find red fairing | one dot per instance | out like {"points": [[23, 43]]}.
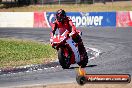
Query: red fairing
{"points": [[60, 40], [72, 59]]}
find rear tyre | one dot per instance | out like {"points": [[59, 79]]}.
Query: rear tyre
{"points": [[64, 62]]}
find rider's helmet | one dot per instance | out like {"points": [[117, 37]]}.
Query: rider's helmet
{"points": [[60, 15]]}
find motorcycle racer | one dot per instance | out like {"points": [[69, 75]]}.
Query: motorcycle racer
{"points": [[62, 22]]}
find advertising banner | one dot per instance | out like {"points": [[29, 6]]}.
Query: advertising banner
{"points": [[124, 18], [16, 19], [80, 19], [88, 19]]}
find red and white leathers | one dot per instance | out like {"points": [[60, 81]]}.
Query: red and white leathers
{"points": [[67, 24]]}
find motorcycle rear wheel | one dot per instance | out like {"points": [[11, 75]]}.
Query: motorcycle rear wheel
{"points": [[62, 59]]}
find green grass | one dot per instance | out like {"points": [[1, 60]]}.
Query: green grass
{"points": [[18, 52]]}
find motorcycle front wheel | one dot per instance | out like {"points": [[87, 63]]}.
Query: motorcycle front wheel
{"points": [[84, 62], [63, 60]]}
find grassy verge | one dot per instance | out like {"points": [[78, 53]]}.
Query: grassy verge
{"points": [[18, 52], [109, 6]]}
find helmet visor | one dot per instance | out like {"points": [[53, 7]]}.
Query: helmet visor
{"points": [[60, 17]]}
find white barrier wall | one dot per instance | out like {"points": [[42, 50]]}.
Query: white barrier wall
{"points": [[16, 19]]}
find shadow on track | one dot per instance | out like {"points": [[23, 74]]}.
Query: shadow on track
{"points": [[85, 67]]}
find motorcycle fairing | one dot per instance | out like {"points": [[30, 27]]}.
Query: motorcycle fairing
{"points": [[74, 49]]}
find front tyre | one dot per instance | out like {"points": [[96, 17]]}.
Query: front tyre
{"points": [[62, 59], [83, 63]]}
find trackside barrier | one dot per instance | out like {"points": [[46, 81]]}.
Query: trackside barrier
{"points": [[80, 19], [124, 18], [40, 20], [16, 19]]}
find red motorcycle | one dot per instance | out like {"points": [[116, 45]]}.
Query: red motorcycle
{"points": [[67, 49]]}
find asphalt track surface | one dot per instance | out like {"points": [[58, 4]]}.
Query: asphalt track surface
{"points": [[115, 45]]}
